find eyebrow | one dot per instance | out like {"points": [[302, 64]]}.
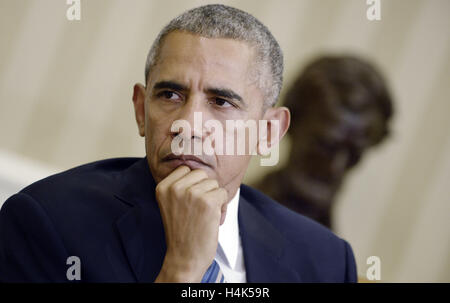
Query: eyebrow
{"points": [[220, 92], [226, 93], [170, 84]]}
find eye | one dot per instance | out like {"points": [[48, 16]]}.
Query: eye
{"points": [[222, 102], [169, 95]]}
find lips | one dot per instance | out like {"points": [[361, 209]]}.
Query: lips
{"points": [[189, 160]]}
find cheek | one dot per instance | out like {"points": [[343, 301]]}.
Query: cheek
{"points": [[229, 167], [157, 131]]}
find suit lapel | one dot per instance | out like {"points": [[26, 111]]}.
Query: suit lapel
{"points": [[140, 228], [141, 231], [263, 247]]}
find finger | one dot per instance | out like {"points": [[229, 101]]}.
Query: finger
{"points": [[193, 177], [204, 186], [175, 175], [218, 195]]}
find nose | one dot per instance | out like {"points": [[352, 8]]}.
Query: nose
{"points": [[192, 112]]}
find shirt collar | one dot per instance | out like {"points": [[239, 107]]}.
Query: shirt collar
{"points": [[229, 231]]}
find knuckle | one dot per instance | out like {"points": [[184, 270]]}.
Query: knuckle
{"points": [[203, 203], [201, 173], [184, 169], [159, 190], [176, 188], [214, 183], [192, 192]]}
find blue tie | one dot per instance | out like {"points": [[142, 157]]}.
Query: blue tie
{"points": [[213, 274]]}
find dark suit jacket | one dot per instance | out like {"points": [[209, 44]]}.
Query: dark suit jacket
{"points": [[106, 214]]}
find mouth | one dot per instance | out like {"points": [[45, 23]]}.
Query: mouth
{"points": [[191, 161]]}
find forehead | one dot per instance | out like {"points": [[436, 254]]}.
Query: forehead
{"points": [[214, 61]]}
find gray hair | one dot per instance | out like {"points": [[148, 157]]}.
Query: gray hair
{"points": [[220, 21]]}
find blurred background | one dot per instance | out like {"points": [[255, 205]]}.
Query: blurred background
{"points": [[66, 87]]}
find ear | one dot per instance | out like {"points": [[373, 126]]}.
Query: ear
{"points": [[139, 107], [283, 118]]}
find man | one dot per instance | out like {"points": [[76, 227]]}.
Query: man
{"points": [[158, 219]]}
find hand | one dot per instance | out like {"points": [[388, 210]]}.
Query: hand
{"points": [[191, 209]]}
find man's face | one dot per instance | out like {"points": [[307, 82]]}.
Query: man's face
{"points": [[207, 76]]}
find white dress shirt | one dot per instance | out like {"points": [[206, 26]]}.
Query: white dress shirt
{"points": [[229, 253]]}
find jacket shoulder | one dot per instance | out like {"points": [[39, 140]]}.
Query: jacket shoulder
{"points": [[81, 196], [330, 257], [91, 176], [284, 219]]}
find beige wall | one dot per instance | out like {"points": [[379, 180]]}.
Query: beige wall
{"points": [[65, 99]]}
